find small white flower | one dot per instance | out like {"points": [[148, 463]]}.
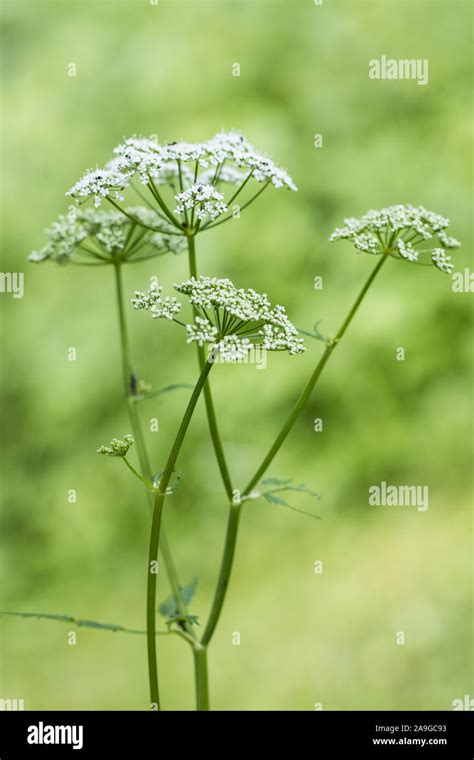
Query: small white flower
{"points": [[205, 199], [366, 243], [153, 302], [233, 320], [100, 183], [232, 146], [226, 158], [442, 261], [448, 242], [107, 234], [201, 332], [400, 231], [407, 251]]}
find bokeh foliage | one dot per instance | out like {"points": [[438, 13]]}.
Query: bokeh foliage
{"points": [[305, 638]]}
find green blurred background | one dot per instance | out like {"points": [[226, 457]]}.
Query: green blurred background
{"points": [[305, 638]]}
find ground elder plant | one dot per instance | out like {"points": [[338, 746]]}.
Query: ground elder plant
{"points": [[152, 199]]}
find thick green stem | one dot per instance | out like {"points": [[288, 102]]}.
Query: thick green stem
{"points": [[235, 509], [156, 525], [210, 411], [200, 675]]}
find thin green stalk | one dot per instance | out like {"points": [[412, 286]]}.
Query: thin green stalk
{"points": [[124, 345], [242, 208], [136, 473], [162, 204], [143, 458], [210, 411], [224, 572], [156, 525], [235, 509], [303, 399], [129, 216], [142, 452], [232, 199], [200, 675]]}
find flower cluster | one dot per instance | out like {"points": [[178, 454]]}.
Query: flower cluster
{"points": [[402, 232], [227, 157], [118, 446], [100, 235], [204, 199], [100, 183], [234, 148], [231, 320], [153, 302]]}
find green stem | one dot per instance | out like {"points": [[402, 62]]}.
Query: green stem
{"points": [[125, 352], [235, 509], [242, 208], [224, 572], [129, 216], [156, 525], [200, 674], [303, 399], [143, 458], [210, 411], [137, 474], [162, 204]]}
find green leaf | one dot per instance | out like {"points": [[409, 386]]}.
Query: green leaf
{"points": [[69, 619], [169, 608], [41, 616], [102, 626], [174, 484], [276, 482], [188, 592], [316, 334], [182, 620], [273, 499], [281, 486]]}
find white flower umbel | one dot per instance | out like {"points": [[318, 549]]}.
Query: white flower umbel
{"points": [[232, 321], [441, 260], [205, 200], [153, 302], [227, 158], [98, 184], [150, 159], [232, 147], [401, 231], [107, 236]]}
